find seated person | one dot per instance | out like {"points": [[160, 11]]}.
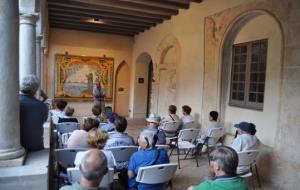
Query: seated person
{"points": [[110, 126], [186, 118], [171, 116], [120, 138], [78, 138], [58, 111], [213, 124], [148, 155], [99, 115], [93, 167], [223, 163], [245, 141], [68, 116], [153, 123], [96, 139], [33, 114]]}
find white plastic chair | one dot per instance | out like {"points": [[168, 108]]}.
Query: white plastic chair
{"points": [[246, 160], [187, 125], [65, 157], [212, 139], [170, 128], [67, 127], [74, 176], [156, 174], [123, 153], [185, 141]]}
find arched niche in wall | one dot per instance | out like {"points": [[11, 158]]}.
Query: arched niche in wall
{"points": [[143, 85], [167, 58], [167, 80], [122, 89], [245, 31]]}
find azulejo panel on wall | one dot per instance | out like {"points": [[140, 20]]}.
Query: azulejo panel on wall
{"points": [[75, 76]]}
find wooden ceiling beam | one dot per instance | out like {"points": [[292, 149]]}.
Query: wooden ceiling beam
{"points": [[91, 30], [88, 7], [54, 14], [101, 14], [99, 26], [162, 3], [132, 6], [82, 21]]}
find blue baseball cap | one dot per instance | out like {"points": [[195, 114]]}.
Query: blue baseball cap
{"points": [[244, 126]]}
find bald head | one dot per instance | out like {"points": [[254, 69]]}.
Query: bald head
{"points": [[93, 165]]}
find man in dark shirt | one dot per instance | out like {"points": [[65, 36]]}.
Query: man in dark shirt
{"points": [[33, 114]]}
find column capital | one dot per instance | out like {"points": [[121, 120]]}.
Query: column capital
{"points": [[28, 18]]}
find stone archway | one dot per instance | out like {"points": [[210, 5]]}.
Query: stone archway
{"points": [[169, 71]]}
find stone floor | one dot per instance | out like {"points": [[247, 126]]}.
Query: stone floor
{"points": [[189, 173]]}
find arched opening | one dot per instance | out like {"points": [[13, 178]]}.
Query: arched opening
{"points": [[248, 29], [122, 87], [167, 80], [143, 86]]}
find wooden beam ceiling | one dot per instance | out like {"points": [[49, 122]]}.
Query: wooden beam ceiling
{"points": [[121, 17]]}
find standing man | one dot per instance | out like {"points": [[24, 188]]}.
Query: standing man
{"points": [[99, 95], [33, 114]]}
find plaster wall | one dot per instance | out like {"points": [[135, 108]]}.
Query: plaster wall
{"points": [[266, 120], [187, 28], [85, 44], [199, 72]]}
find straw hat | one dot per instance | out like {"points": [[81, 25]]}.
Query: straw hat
{"points": [[153, 118]]}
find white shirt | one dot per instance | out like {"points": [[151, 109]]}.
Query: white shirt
{"points": [[187, 119], [56, 114], [111, 163], [245, 142]]}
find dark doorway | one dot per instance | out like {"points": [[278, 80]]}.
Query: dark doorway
{"points": [[150, 80]]}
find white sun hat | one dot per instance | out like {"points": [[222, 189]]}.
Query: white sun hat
{"points": [[153, 118]]}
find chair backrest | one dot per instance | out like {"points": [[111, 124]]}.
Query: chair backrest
{"points": [[67, 127], [64, 139], [123, 153], [246, 158], [188, 134], [171, 126], [216, 133], [156, 174], [74, 176], [187, 125], [66, 156]]}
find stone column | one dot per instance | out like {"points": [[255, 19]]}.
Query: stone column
{"points": [[10, 148], [27, 44], [38, 61]]}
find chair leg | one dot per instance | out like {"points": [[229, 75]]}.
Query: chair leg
{"points": [[171, 152], [196, 157], [257, 176], [178, 159], [187, 153]]}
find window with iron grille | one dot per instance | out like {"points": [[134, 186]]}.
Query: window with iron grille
{"points": [[248, 74]]}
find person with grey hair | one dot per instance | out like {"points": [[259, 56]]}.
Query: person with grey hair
{"points": [[33, 114], [92, 168], [67, 117], [148, 155], [223, 161]]}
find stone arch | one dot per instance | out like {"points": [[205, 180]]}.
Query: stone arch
{"points": [[141, 102], [170, 41], [122, 89]]}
